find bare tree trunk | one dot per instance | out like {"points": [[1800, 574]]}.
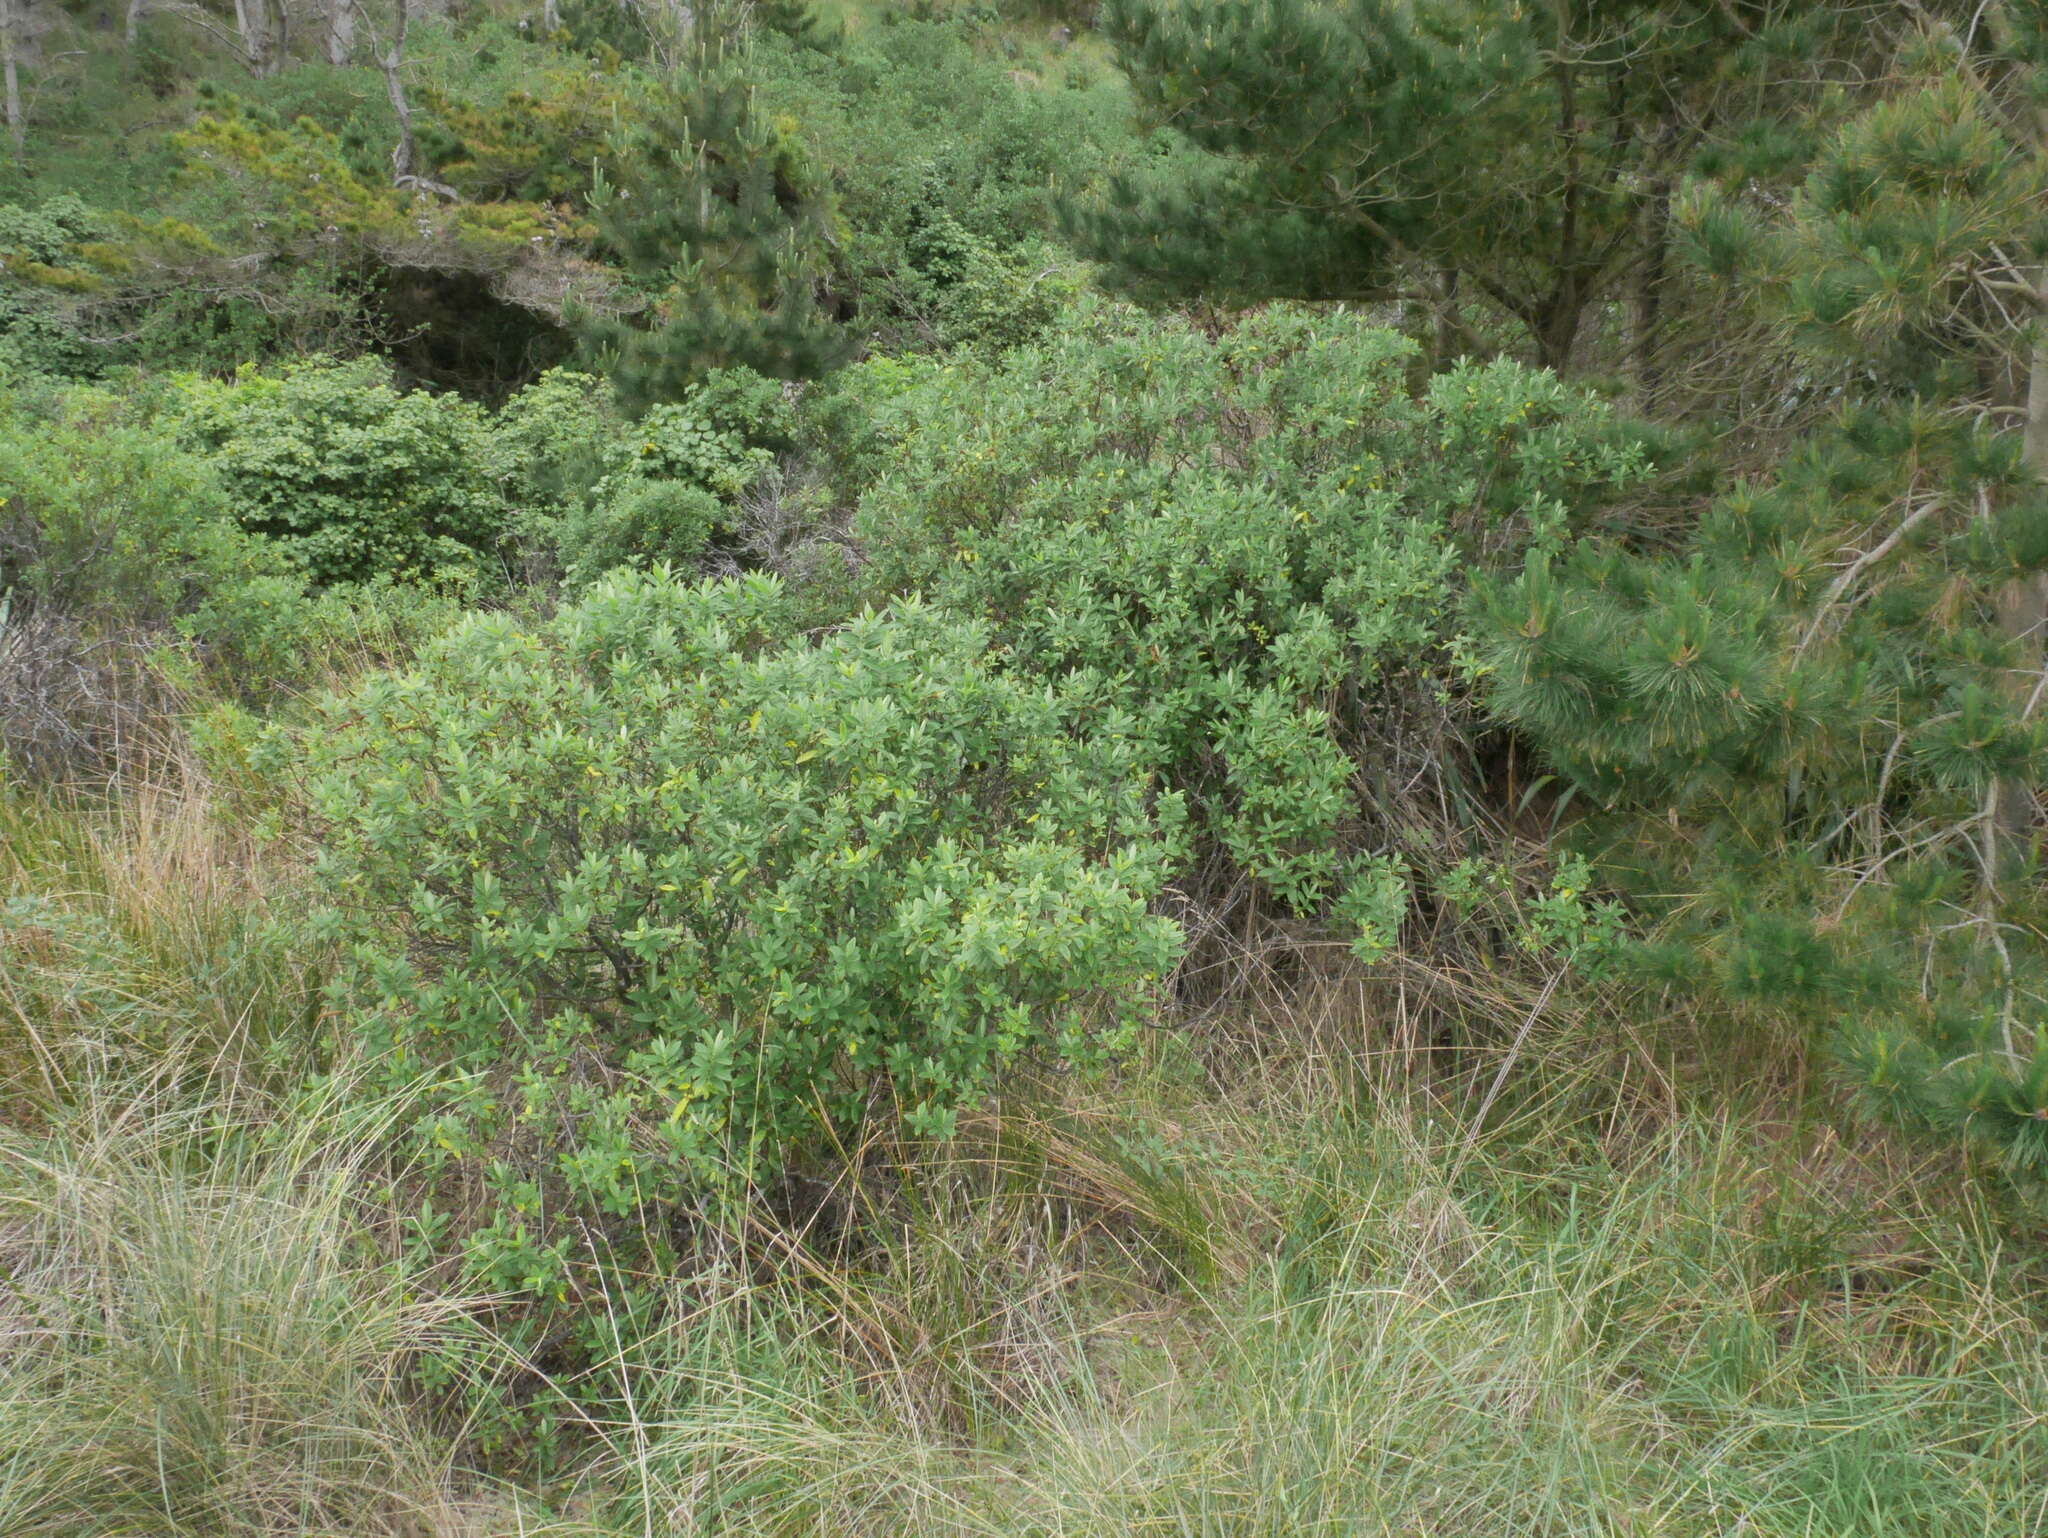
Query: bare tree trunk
{"points": [[262, 45], [550, 17], [137, 9], [394, 60], [1446, 319], [1556, 325], [341, 32], [10, 75], [1647, 319], [2023, 601]]}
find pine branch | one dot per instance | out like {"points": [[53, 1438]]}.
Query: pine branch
{"points": [[1860, 565]]}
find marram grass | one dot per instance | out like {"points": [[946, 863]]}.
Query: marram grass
{"points": [[1282, 1296]]}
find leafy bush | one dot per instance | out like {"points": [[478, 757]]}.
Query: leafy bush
{"points": [[116, 543], [936, 145], [35, 249], [353, 479], [110, 536], [277, 633], [672, 478], [1005, 298], [102, 518], [955, 286], [637, 522], [1246, 545], [86, 289], [554, 439], [648, 894]]}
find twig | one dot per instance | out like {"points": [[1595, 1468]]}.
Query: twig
{"points": [[1856, 569], [1507, 1066]]}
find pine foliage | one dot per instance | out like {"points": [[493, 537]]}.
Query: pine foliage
{"points": [[1372, 149], [728, 228], [1814, 728]]}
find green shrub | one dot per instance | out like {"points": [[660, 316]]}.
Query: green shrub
{"points": [[955, 286], [113, 533], [649, 895], [720, 434], [937, 146], [105, 520], [1006, 298], [672, 478], [636, 522], [353, 479], [1247, 545], [554, 439], [36, 245], [275, 633]]}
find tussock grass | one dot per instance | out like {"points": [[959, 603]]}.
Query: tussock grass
{"points": [[196, 1334], [1270, 1281], [131, 923], [1703, 1334], [196, 1340]]}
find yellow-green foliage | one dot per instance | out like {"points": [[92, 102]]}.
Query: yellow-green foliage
{"points": [[301, 183], [1240, 548], [537, 143], [757, 887]]}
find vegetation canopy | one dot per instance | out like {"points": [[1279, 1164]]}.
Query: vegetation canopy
{"points": [[1020, 769]]}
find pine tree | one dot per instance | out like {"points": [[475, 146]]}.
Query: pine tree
{"points": [[730, 233], [1508, 167], [1819, 720]]}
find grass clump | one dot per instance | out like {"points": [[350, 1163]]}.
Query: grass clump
{"points": [[1228, 1292], [196, 1340], [1690, 1335], [199, 1331]]}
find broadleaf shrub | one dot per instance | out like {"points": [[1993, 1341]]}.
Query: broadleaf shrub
{"points": [[673, 477], [1248, 544], [650, 895], [595, 491], [555, 439], [105, 521], [352, 478], [117, 542]]}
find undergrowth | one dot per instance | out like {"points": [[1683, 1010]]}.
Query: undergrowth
{"points": [[1272, 1281]]}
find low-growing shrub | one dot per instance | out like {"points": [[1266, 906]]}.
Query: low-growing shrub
{"points": [[115, 542], [594, 491], [104, 520], [353, 479], [36, 244], [649, 895], [1246, 544], [555, 439], [638, 522], [125, 576]]}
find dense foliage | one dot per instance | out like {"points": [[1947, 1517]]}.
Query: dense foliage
{"points": [[1243, 545], [1507, 168], [1001, 766], [651, 893], [1831, 687], [349, 478]]}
